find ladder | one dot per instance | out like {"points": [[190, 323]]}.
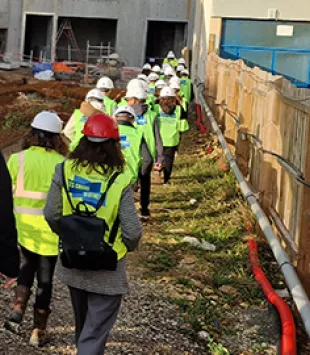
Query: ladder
{"points": [[66, 28]]}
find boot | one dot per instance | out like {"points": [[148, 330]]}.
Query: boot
{"points": [[22, 294], [39, 336]]}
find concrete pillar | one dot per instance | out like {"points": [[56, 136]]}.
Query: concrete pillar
{"points": [[14, 31]]}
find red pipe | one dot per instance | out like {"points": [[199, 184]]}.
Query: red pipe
{"points": [[199, 120], [288, 340]]}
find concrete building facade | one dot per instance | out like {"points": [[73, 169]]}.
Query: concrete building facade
{"points": [[137, 29], [270, 33]]}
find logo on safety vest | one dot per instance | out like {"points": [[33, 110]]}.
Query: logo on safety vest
{"points": [[183, 82], [141, 121], [151, 91], [86, 190], [84, 119], [124, 142]]}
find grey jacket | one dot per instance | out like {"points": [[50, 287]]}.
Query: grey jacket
{"points": [[101, 282]]}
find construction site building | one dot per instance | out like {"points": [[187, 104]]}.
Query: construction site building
{"points": [[138, 30]]}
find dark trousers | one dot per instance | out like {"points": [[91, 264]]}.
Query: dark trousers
{"points": [[169, 155], [95, 316], [43, 267], [145, 187]]}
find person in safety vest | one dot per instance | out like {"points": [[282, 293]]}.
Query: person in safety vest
{"points": [[156, 69], [179, 70], [31, 171], [171, 124], [175, 85], [94, 168], [132, 142], [93, 103], [171, 59], [146, 69], [9, 254], [153, 77], [182, 62], [168, 73], [147, 123], [106, 85], [187, 86]]}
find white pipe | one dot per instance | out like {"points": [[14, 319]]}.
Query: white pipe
{"points": [[298, 293]]}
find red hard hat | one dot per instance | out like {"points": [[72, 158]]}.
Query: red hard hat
{"points": [[101, 126]]}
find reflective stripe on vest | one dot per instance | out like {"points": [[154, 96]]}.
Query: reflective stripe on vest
{"points": [[30, 211], [20, 190], [32, 171]]}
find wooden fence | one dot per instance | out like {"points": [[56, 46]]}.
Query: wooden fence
{"points": [[259, 112]]}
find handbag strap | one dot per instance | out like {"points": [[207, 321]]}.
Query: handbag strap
{"points": [[103, 196]]}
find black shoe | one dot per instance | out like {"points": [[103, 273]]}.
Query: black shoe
{"points": [[145, 213]]}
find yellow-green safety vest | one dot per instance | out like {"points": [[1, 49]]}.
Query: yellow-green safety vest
{"points": [[32, 171], [109, 106], [186, 88], [131, 140], [170, 127], [79, 123], [145, 123], [174, 62], [88, 187]]}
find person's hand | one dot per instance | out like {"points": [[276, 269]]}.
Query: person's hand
{"points": [[9, 283], [158, 167]]}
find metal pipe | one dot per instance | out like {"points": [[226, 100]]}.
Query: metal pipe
{"points": [[298, 293]]}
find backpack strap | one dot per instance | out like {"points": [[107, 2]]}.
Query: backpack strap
{"points": [[102, 198], [114, 231], [64, 182]]}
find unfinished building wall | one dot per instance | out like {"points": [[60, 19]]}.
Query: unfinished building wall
{"points": [[132, 18]]}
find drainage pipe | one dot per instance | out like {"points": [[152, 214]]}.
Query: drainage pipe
{"points": [[298, 293], [288, 338]]}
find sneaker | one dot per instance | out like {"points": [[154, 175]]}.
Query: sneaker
{"points": [[145, 214]]}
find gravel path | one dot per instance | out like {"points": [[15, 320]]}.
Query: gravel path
{"points": [[146, 325]]}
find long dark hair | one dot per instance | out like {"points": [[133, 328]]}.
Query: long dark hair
{"points": [[102, 157], [47, 140]]}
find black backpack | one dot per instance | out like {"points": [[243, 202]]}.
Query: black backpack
{"points": [[81, 239]]}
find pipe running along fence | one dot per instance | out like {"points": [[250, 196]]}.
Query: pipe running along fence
{"points": [[296, 289]]}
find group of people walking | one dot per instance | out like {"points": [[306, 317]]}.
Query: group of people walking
{"points": [[73, 200]]}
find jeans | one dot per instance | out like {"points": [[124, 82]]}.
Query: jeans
{"points": [[43, 267]]}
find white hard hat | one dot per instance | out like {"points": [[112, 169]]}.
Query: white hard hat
{"points": [[167, 92], [136, 92], [94, 94], [166, 65], [171, 55], [185, 72], [180, 68], [125, 110], [181, 61], [160, 84], [174, 79], [105, 83], [142, 77], [175, 85], [153, 77], [169, 71], [156, 69], [48, 122], [147, 66], [134, 83]]}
